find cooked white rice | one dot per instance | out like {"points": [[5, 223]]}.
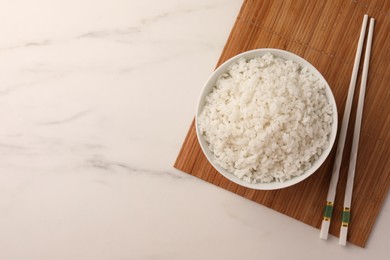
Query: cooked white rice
{"points": [[267, 119]]}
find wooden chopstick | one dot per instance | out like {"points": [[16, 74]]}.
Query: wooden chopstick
{"points": [[355, 142], [327, 215]]}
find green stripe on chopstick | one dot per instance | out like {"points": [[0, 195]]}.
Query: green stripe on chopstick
{"points": [[346, 216], [327, 215]]}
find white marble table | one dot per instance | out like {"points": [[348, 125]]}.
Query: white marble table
{"points": [[96, 97]]}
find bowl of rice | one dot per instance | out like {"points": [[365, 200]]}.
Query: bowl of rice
{"points": [[266, 119]]}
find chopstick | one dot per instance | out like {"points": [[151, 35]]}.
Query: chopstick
{"points": [[327, 215], [355, 142]]}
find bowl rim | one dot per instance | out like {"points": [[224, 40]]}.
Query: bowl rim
{"points": [[206, 89]]}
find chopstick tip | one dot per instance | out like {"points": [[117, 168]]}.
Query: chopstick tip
{"points": [[343, 236], [324, 229]]}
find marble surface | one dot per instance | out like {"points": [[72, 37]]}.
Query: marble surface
{"points": [[96, 97]]}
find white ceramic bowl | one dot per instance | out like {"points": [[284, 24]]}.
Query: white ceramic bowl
{"points": [[209, 86]]}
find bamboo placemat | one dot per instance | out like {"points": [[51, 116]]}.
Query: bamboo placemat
{"points": [[324, 32]]}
